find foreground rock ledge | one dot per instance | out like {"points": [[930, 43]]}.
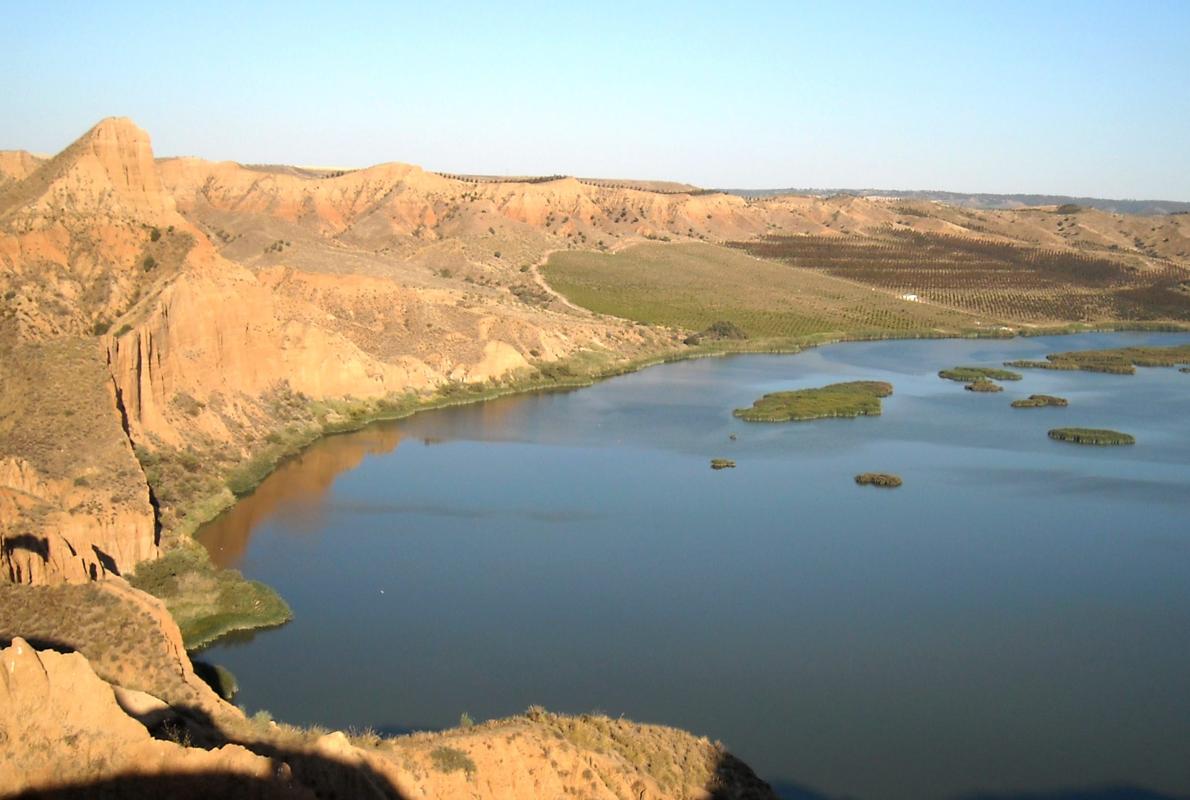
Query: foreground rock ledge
{"points": [[66, 732]]}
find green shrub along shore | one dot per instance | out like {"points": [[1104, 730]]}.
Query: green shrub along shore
{"points": [[1095, 436], [851, 399], [205, 601], [884, 480], [1041, 401], [972, 374]]}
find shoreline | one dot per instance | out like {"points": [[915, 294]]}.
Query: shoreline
{"points": [[476, 393]]}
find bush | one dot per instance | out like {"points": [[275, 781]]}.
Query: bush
{"points": [[449, 759], [149, 263]]}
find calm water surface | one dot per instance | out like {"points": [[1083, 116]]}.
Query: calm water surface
{"points": [[1015, 619]]}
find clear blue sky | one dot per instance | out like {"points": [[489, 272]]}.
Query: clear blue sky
{"points": [[1089, 98]]}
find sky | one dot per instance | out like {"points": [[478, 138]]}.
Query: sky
{"points": [[1087, 98]]}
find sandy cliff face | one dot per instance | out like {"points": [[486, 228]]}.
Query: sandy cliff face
{"points": [[74, 504], [63, 727], [194, 345], [68, 545]]}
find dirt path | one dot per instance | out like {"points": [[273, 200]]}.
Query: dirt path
{"points": [[535, 271]]}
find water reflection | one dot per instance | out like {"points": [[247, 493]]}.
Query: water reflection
{"points": [[294, 493]]}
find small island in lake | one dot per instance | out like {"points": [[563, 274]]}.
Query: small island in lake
{"points": [[1095, 436], [1040, 401], [983, 385], [1117, 361], [722, 463], [851, 399], [972, 374], [882, 479]]}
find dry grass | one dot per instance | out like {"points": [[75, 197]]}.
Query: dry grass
{"points": [[124, 643], [56, 412]]}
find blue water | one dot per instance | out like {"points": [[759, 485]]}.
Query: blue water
{"points": [[1015, 618]]}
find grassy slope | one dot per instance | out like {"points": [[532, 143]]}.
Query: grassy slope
{"points": [[694, 285]]}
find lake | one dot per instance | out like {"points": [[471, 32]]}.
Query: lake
{"points": [[1015, 619]]}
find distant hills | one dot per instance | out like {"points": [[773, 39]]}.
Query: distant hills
{"points": [[988, 201]]}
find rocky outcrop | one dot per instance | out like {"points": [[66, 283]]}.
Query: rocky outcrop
{"points": [[62, 728], [65, 545], [109, 172], [74, 504]]}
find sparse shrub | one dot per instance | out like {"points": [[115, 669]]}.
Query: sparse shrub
{"points": [[450, 759], [154, 235], [149, 264]]}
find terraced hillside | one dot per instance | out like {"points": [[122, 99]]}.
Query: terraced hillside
{"points": [[999, 279]]}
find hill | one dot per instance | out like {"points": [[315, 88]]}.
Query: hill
{"points": [[983, 200]]}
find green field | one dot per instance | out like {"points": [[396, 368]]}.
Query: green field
{"points": [[693, 286]]}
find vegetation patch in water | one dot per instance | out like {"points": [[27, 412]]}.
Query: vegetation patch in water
{"points": [[882, 479], [972, 374], [983, 385], [1116, 361], [1040, 401], [851, 399], [1095, 436], [207, 602], [722, 463]]}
